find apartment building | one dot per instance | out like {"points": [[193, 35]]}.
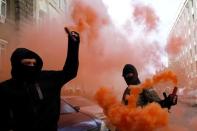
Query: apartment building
{"points": [[185, 26]]}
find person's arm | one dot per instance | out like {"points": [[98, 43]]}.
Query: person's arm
{"points": [[124, 99], [152, 96], [70, 68]]}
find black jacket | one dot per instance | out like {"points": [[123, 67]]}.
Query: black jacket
{"points": [[35, 106]]}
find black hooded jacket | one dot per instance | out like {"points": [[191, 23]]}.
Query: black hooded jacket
{"points": [[35, 105]]}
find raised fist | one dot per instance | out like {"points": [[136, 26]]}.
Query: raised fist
{"points": [[72, 36]]}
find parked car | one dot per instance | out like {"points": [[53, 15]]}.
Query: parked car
{"points": [[86, 105], [74, 118]]}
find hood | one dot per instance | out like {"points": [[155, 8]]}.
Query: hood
{"points": [[17, 56], [134, 80]]}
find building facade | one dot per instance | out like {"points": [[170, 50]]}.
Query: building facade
{"points": [[185, 27], [15, 14]]}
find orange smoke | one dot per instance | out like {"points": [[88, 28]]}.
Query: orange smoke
{"points": [[101, 62], [146, 14], [174, 45], [126, 118], [87, 20], [132, 118]]}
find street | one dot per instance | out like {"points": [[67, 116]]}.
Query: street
{"points": [[183, 116]]}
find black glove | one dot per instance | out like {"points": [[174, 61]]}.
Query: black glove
{"points": [[73, 36], [169, 100]]}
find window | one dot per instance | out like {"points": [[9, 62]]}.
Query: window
{"points": [[191, 53], [196, 65], [42, 17], [195, 47], [62, 5], [2, 10], [2, 50]]}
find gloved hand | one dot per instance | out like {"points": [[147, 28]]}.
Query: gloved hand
{"points": [[169, 100], [72, 36]]}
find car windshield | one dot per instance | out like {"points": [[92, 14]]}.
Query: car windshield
{"points": [[66, 108]]}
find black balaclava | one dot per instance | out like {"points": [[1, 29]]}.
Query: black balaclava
{"points": [[23, 72], [132, 80]]}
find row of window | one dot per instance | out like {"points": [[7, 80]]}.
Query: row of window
{"points": [[186, 28], [3, 6], [187, 19], [3, 43], [2, 11], [60, 4]]}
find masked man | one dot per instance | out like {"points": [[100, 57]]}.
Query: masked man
{"points": [[130, 75], [30, 100]]}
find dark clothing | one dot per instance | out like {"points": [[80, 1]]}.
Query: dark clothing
{"points": [[19, 71], [34, 105], [145, 97]]}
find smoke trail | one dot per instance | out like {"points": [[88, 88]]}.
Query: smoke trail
{"points": [[175, 45], [145, 14], [132, 118], [105, 49], [87, 20], [126, 118]]}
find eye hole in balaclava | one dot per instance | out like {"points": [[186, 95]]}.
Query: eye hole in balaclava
{"points": [[29, 68], [130, 75], [29, 62]]}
